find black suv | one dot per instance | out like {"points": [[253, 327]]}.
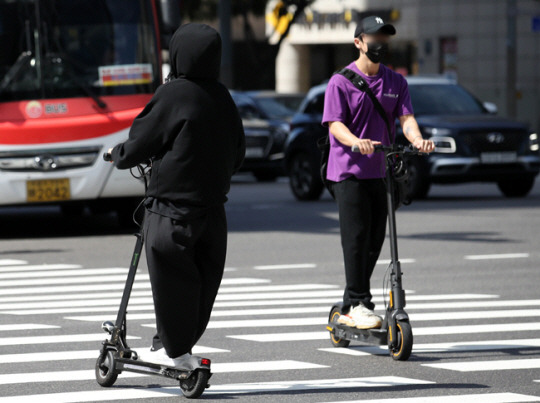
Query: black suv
{"points": [[471, 143]]}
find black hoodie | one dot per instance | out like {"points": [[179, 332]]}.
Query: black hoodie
{"points": [[190, 128]]}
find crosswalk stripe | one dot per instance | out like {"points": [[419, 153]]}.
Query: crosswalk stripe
{"points": [[402, 261], [68, 280], [492, 365], [12, 262], [296, 301], [417, 331], [106, 286], [62, 273], [146, 304], [462, 346], [26, 326], [114, 394], [433, 316], [473, 398], [83, 354], [415, 317], [35, 267], [224, 289], [223, 324], [286, 266], [497, 256], [286, 287], [60, 338], [227, 367]]}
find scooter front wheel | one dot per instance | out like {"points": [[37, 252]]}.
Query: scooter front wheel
{"points": [[194, 386], [401, 351], [106, 373], [337, 342]]}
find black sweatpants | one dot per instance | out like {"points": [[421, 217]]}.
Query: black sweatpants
{"points": [[362, 220], [186, 260]]}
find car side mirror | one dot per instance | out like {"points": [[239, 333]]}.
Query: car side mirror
{"points": [[491, 108], [170, 20]]}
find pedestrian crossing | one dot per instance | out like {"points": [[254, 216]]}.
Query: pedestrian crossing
{"points": [[63, 301]]}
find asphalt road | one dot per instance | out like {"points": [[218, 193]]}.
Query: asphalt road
{"points": [[470, 260]]}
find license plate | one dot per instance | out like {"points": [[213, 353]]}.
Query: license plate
{"points": [[498, 158], [47, 190], [254, 152]]}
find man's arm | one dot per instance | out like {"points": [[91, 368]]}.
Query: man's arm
{"points": [[345, 137], [413, 134]]}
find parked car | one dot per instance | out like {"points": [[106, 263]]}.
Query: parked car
{"points": [[472, 144], [266, 124]]}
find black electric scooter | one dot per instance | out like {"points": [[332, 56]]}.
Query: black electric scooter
{"points": [[115, 355], [395, 331]]}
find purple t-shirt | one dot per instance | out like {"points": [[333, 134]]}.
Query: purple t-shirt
{"points": [[345, 103]]}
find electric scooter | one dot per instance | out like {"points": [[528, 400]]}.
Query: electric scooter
{"points": [[395, 331], [115, 356]]}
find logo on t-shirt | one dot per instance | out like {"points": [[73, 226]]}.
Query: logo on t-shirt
{"points": [[390, 95]]}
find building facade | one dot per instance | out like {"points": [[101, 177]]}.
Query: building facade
{"points": [[466, 39]]}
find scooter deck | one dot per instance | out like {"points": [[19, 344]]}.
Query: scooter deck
{"points": [[370, 336], [143, 367]]}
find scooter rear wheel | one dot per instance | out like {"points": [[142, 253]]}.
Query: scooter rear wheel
{"points": [[337, 342], [194, 386], [402, 350], [106, 373]]}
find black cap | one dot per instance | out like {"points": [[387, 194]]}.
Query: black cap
{"points": [[374, 25]]}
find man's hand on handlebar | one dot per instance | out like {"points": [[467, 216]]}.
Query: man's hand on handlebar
{"points": [[424, 146], [365, 146]]}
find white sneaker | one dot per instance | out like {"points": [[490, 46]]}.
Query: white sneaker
{"points": [[160, 357], [364, 318]]}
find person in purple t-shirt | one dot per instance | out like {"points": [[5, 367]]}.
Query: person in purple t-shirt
{"points": [[357, 178]]}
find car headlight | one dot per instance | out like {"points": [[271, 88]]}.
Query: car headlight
{"points": [[446, 145], [533, 141]]}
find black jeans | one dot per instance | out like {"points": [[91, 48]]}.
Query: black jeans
{"points": [[186, 260], [362, 221]]}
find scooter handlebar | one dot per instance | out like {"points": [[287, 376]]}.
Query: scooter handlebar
{"points": [[409, 150], [107, 157]]}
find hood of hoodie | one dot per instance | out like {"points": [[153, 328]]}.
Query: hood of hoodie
{"points": [[195, 52]]}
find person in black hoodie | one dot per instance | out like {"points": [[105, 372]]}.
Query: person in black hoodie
{"points": [[193, 134]]}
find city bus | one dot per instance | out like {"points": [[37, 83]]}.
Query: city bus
{"points": [[73, 76]]}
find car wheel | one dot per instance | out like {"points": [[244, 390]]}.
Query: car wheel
{"points": [[418, 184], [517, 187], [304, 178]]}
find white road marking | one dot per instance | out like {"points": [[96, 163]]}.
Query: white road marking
{"points": [[227, 367], [224, 324], [82, 355], [62, 273], [59, 338], [115, 394], [107, 287], [26, 326], [492, 365], [497, 256], [286, 266], [475, 398], [12, 262], [69, 280], [285, 287], [462, 346], [415, 317], [44, 267], [403, 261], [417, 331]]}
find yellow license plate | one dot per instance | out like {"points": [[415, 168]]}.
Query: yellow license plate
{"points": [[47, 190]]}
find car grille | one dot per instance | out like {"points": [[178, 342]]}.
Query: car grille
{"points": [[48, 159], [493, 141]]}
